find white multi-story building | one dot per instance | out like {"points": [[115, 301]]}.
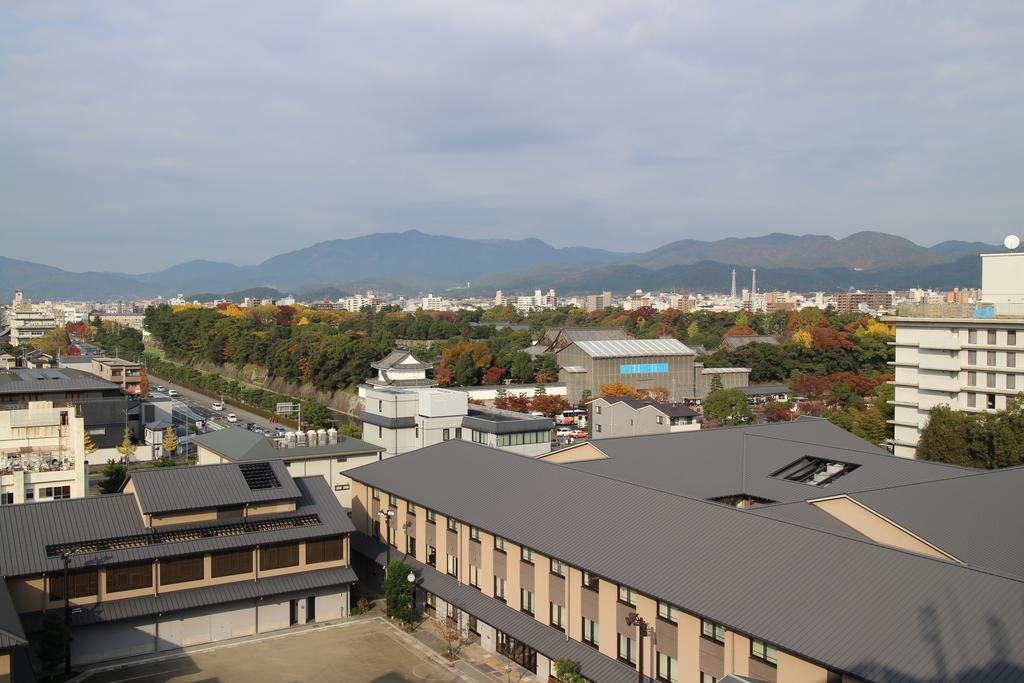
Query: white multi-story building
{"points": [[27, 322], [42, 453], [969, 357]]}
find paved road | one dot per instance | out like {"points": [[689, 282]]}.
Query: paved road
{"points": [[196, 406]]}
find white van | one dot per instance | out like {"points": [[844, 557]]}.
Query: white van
{"points": [[232, 417], [218, 406]]}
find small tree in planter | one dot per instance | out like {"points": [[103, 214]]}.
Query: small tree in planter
{"points": [[567, 671], [451, 631]]}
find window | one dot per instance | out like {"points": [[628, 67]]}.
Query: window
{"points": [[972, 336], [627, 649], [231, 563], [392, 500], [526, 601], [431, 516], [972, 379], [499, 588], [453, 566], [417, 431], [55, 492], [558, 616], [129, 577], [479, 437], [392, 536], [7, 498], [499, 544], [972, 401], [590, 632], [474, 533], [763, 651], [376, 528], [527, 556], [626, 596], [181, 570], [380, 431], [667, 612], [591, 581], [380, 406], [557, 567], [972, 357], [990, 401], [341, 487], [83, 582], [431, 556], [668, 668], [326, 550], [453, 524], [410, 507], [597, 409], [991, 358], [814, 471], [990, 380], [279, 556], [991, 336], [1011, 359], [410, 545], [597, 426], [660, 419], [707, 678], [1011, 337], [474, 576], [376, 493], [712, 630], [458, 432], [1011, 381], [446, 434]]}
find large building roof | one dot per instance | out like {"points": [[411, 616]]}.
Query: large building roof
{"points": [[43, 380], [876, 612], [28, 529], [194, 488], [634, 348], [668, 409], [241, 445]]}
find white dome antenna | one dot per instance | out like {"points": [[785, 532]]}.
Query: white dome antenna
{"points": [[1011, 242]]}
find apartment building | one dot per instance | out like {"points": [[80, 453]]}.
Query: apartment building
{"points": [[399, 420], [124, 373], [599, 302], [42, 453], [182, 556], [791, 553], [26, 321], [328, 455], [615, 416], [967, 357], [851, 302]]}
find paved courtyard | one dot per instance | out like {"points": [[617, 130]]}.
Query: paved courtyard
{"points": [[365, 652]]}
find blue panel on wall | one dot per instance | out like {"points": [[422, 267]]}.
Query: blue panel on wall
{"points": [[642, 368]]}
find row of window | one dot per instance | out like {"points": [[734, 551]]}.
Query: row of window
{"points": [[989, 380], [989, 337], [991, 359], [126, 577], [524, 438]]}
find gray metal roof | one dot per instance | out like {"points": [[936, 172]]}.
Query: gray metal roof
{"points": [[174, 601], [27, 529], [872, 611], [496, 421], [172, 489], [241, 445], [11, 632], [711, 463], [634, 348], [546, 640], [44, 380], [736, 342], [667, 409]]}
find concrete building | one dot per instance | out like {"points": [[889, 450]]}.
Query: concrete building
{"points": [[126, 374], [26, 321], [403, 420], [136, 321], [42, 453], [787, 553], [970, 358], [183, 556], [850, 302], [330, 459], [615, 416], [640, 363], [599, 302]]}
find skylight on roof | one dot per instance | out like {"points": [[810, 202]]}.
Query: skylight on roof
{"points": [[259, 475], [814, 471]]}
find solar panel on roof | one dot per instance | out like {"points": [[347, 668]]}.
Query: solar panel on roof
{"points": [[259, 475]]}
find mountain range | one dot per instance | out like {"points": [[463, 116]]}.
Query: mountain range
{"points": [[414, 261]]}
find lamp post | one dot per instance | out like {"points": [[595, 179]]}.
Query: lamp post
{"points": [[66, 557], [411, 578], [643, 630], [387, 515]]}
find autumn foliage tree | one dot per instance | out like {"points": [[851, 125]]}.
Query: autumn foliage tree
{"points": [[618, 389]]}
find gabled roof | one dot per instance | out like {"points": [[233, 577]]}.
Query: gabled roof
{"points": [[241, 445], [174, 489], [872, 611], [629, 348], [396, 358], [668, 409], [557, 338]]}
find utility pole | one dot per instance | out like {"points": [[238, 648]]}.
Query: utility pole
{"points": [[643, 630], [66, 556]]}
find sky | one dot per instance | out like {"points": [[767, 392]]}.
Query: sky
{"points": [[135, 135]]}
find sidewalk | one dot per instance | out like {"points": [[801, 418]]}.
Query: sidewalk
{"points": [[474, 661]]}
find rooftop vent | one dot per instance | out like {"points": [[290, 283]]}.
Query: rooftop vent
{"points": [[814, 471], [259, 475]]}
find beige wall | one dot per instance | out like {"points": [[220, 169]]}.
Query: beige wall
{"points": [[682, 640], [582, 452], [876, 527]]}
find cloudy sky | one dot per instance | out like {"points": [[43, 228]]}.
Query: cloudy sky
{"points": [[134, 135]]}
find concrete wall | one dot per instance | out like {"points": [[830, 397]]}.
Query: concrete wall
{"points": [[678, 381]]}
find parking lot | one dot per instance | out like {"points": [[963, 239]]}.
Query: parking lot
{"points": [[367, 651]]}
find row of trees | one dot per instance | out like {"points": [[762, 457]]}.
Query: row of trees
{"points": [[983, 440]]}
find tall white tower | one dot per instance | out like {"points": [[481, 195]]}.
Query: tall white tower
{"points": [[733, 294], [753, 282]]}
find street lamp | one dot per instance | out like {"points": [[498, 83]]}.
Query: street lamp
{"points": [[66, 557], [643, 630], [387, 515]]}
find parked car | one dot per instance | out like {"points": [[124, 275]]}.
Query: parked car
{"points": [[232, 417], [280, 431], [218, 406], [161, 388], [564, 431], [172, 392]]}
